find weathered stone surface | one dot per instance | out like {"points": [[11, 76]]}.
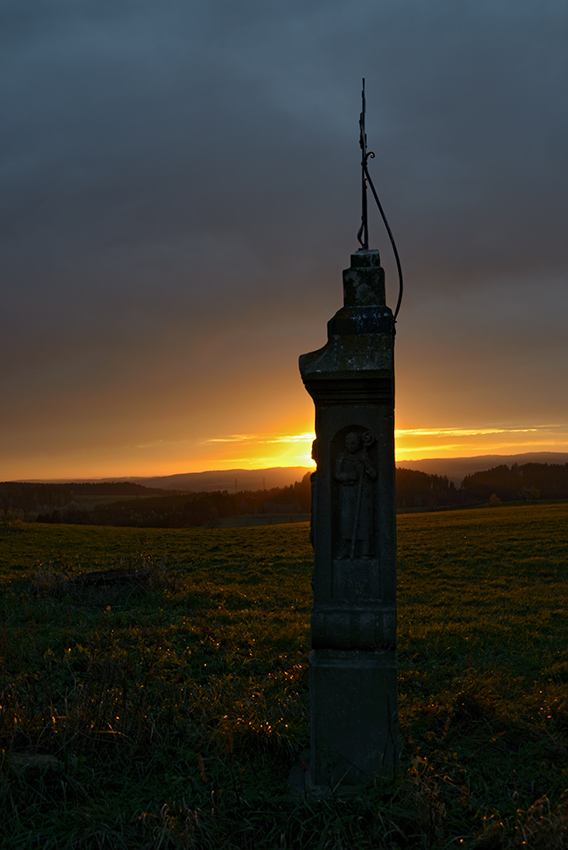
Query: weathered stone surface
{"points": [[368, 628], [353, 716], [364, 281], [353, 661]]}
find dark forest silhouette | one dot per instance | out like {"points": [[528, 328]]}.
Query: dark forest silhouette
{"points": [[129, 504]]}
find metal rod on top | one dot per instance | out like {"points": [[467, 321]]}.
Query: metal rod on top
{"points": [[363, 234]]}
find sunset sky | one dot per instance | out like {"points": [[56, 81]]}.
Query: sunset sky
{"points": [[180, 193]]}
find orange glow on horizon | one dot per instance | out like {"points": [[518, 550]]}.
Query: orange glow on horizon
{"points": [[254, 451], [419, 443], [411, 443], [277, 449]]}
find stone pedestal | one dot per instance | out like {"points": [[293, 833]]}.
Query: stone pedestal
{"points": [[352, 714], [353, 666]]}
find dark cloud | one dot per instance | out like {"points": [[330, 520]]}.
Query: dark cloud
{"points": [[175, 177]]}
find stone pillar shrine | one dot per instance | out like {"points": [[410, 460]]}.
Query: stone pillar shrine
{"points": [[353, 662]]}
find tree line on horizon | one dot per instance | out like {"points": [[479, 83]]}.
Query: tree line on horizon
{"points": [[153, 507], [31, 497]]}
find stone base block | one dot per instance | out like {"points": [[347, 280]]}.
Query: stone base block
{"points": [[353, 715]]}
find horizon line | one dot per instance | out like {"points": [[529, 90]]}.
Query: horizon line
{"points": [[259, 469]]}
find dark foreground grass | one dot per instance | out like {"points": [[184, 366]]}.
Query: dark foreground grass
{"points": [[163, 706]]}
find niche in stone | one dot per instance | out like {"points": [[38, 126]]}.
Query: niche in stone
{"points": [[354, 494], [354, 482]]}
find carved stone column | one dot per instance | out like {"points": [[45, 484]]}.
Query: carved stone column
{"points": [[353, 664]]}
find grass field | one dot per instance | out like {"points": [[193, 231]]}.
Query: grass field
{"points": [[166, 710]]}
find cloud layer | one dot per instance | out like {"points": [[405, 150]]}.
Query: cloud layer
{"points": [[180, 193]]}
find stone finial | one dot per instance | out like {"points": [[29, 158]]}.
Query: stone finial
{"points": [[364, 281]]}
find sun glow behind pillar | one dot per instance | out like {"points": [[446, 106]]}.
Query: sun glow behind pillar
{"points": [[288, 446]]}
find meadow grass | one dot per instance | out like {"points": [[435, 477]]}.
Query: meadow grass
{"points": [[165, 709]]}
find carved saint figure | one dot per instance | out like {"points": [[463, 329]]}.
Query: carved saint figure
{"points": [[355, 473]]}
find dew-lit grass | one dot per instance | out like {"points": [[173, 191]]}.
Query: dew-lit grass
{"points": [[166, 709]]}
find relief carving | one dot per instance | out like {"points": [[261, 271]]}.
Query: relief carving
{"points": [[355, 474]]}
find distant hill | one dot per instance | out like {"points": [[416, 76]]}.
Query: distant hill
{"points": [[226, 479], [203, 482], [456, 468], [233, 480]]}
